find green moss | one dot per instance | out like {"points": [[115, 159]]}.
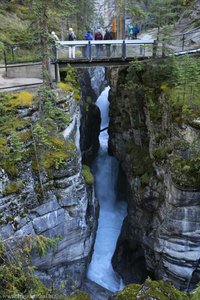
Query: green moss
{"points": [[10, 166], [10, 102], [129, 292], [79, 295], [57, 153], [13, 187], [77, 95], [159, 290], [4, 149], [65, 86], [23, 99], [54, 159], [71, 82], [89, 179]]}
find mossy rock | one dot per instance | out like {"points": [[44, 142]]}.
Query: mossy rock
{"points": [[89, 179], [65, 86], [13, 187], [10, 166], [54, 159], [129, 292], [79, 295], [23, 99], [77, 95], [158, 290]]}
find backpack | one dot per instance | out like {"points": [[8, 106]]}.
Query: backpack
{"points": [[71, 36]]}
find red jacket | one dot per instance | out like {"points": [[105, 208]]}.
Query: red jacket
{"points": [[98, 36]]}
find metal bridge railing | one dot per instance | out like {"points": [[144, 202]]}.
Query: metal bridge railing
{"points": [[20, 53], [105, 49], [188, 42]]}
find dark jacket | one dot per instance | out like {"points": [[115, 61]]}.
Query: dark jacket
{"points": [[108, 36], [136, 28], [71, 36]]}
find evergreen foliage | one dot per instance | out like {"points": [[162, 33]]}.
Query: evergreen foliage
{"points": [[171, 87], [17, 278]]}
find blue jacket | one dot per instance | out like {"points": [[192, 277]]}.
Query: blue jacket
{"points": [[88, 36], [136, 28]]}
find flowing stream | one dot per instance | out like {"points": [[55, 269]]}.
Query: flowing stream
{"points": [[112, 212]]}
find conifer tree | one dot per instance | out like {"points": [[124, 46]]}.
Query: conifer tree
{"points": [[44, 15]]}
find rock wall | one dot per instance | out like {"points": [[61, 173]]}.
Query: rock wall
{"points": [[92, 82], [160, 236], [66, 208]]}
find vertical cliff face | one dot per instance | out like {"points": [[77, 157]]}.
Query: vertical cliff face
{"points": [[53, 198], [160, 236], [92, 82]]}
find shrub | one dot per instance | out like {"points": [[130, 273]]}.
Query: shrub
{"points": [[145, 178], [17, 280], [186, 173], [162, 153]]}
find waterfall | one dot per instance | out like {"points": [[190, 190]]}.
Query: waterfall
{"points": [[112, 212]]}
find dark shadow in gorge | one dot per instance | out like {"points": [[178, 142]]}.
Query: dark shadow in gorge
{"points": [[128, 260]]}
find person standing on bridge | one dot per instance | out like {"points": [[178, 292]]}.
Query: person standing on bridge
{"points": [[130, 31], [88, 37], [136, 30], [107, 36], [54, 37], [98, 37], [71, 37]]}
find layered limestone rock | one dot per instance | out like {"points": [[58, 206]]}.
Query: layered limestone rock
{"points": [[60, 204], [161, 234]]}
